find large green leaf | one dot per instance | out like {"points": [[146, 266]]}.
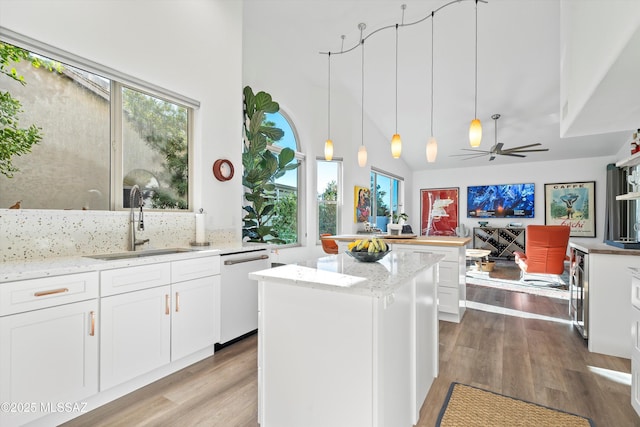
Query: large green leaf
{"points": [[249, 101], [271, 132], [264, 102]]}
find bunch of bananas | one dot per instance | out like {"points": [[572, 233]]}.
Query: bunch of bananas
{"points": [[371, 245]]}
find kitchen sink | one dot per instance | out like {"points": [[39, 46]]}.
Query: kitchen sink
{"points": [[139, 254]]}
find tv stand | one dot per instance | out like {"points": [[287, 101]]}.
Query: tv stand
{"points": [[502, 242]]}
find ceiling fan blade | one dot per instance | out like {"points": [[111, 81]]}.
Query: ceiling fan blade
{"points": [[527, 151], [497, 148], [513, 154], [469, 156], [523, 146], [493, 156], [475, 151]]}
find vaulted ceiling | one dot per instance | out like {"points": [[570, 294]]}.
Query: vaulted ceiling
{"points": [[519, 73]]}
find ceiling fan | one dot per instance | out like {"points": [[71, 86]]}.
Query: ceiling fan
{"points": [[497, 149]]}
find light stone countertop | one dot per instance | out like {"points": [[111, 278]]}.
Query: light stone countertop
{"points": [[602, 248], [341, 273], [56, 266]]}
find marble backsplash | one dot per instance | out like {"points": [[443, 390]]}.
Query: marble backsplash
{"points": [[40, 234]]}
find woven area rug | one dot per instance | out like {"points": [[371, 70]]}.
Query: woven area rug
{"points": [[467, 406], [506, 275]]}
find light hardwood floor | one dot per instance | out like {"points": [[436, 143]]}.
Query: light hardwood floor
{"points": [[513, 343]]}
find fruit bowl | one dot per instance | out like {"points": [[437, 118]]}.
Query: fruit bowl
{"points": [[365, 256]]}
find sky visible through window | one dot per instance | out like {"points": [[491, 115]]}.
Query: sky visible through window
{"points": [[288, 140]]}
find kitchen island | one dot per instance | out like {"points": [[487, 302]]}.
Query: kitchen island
{"points": [[345, 343], [452, 288]]}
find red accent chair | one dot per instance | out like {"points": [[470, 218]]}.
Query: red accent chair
{"points": [[545, 250], [330, 246]]}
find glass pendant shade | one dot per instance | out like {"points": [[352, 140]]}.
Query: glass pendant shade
{"points": [[362, 156], [396, 146], [475, 133], [328, 150], [432, 149]]}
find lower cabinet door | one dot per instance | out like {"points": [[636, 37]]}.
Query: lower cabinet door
{"points": [[47, 356], [135, 334], [194, 317]]}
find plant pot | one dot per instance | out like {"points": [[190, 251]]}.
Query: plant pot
{"points": [[394, 229]]}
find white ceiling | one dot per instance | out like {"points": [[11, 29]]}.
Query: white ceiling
{"points": [[519, 55]]}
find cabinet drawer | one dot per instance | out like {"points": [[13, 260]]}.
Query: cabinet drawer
{"points": [[448, 300], [448, 274], [635, 330], [129, 279], [450, 254], [194, 268], [635, 292], [34, 294]]}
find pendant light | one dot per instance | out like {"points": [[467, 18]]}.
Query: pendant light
{"points": [[328, 145], [475, 129], [362, 151], [396, 142], [432, 145]]}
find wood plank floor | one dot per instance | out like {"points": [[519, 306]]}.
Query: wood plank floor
{"points": [[513, 343]]}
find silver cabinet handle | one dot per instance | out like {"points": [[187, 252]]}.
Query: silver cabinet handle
{"points": [[240, 261]]}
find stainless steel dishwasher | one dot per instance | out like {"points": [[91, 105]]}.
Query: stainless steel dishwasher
{"points": [[239, 294]]}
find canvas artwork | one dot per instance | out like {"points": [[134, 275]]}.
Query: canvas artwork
{"points": [[438, 211], [362, 204], [572, 204]]}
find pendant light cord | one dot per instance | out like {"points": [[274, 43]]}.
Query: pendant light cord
{"points": [[397, 78], [329, 99], [432, 23], [475, 108], [362, 100]]}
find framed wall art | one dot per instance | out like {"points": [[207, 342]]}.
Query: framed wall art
{"points": [[361, 204], [572, 204], [439, 211]]}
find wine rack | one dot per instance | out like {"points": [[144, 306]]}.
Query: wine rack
{"points": [[502, 242]]}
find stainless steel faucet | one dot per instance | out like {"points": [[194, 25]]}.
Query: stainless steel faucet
{"points": [[133, 242]]}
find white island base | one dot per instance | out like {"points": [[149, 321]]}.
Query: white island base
{"points": [[343, 343]]}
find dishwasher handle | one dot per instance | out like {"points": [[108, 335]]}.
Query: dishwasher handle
{"points": [[241, 260]]}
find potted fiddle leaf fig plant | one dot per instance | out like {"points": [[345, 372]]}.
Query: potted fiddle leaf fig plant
{"points": [[262, 167]]}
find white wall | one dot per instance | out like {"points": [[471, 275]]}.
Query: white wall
{"points": [[540, 173], [192, 47]]}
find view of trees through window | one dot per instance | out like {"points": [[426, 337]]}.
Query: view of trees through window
{"points": [[71, 167], [287, 208], [328, 187]]}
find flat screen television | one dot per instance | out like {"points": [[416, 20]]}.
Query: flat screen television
{"points": [[501, 201]]}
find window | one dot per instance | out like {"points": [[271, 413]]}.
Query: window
{"points": [[387, 197], [289, 200], [100, 136], [328, 196]]}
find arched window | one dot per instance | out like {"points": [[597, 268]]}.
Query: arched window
{"points": [[290, 201]]}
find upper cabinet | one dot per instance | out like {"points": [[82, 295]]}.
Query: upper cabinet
{"points": [[600, 65]]}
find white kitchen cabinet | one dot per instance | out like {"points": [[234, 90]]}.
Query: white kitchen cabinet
{"points": [[635, 339], [452, 289], [49, 350], [193, 320], [135, 334], [146, 329]]}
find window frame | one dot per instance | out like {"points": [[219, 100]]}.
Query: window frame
{"points": [[374, 197], [339, 199], [300, 157], [118, 80]]}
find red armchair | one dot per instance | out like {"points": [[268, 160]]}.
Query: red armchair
{"points": [[545, 250], [330, 246]]}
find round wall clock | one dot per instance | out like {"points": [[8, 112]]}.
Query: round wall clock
{"points": [[223, 170]]}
